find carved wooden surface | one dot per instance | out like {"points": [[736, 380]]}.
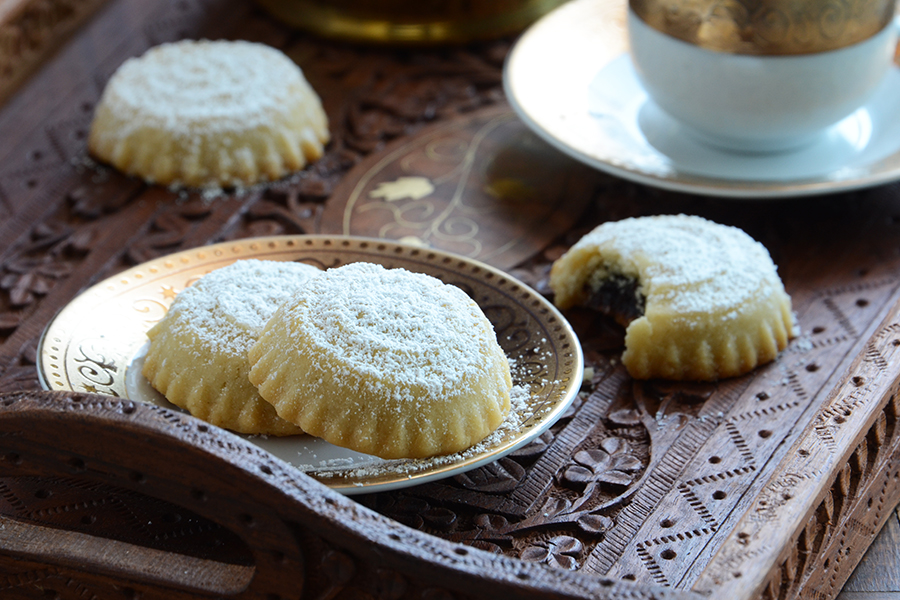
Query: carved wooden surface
{"points": [[31, 30], [237, 522], [770, 485]]}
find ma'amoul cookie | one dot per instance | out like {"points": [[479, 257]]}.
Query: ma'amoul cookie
{"points": [[384, 361], [208, 114], [699, 300], [198, 352]]}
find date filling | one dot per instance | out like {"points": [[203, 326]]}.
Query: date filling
{"points": [[615, 295]]}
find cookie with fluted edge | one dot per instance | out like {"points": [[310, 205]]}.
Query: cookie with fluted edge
{"points": [[385, 362], [198, 351], [208, 114], [699, 300]]}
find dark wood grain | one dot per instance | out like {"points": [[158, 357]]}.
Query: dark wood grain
{"points": [[769, 485]]}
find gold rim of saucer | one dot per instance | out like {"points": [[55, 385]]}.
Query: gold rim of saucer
{"points": [[766, 28], [92, 342]]}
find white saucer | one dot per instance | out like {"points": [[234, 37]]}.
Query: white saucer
{"points": [[571, 80]]}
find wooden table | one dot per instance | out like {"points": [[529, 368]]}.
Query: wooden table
{"points": [[774, 483], [878, 575]]}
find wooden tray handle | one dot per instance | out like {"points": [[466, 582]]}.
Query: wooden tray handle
{"points": [[301, 539]]}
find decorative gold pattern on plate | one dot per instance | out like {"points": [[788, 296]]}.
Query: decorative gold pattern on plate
{"points": [[767, 27], [96, 341]]}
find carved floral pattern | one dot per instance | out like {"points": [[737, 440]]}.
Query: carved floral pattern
{"points": [[561, 551], [611, 464]]}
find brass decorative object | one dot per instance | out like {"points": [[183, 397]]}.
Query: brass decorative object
{"points": [[410, 21], [767, 27], [96, 344]]}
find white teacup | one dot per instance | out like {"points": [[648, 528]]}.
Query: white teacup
{"points": [[740, 98]]}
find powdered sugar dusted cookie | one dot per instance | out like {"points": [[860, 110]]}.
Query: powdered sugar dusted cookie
{"points": [[208, 114], [198, 351], [384, 361], [699, 300]]}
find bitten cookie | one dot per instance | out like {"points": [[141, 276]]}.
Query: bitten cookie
{"points": [[208, 114], [699, 300], [198, 351], [385, 362]]}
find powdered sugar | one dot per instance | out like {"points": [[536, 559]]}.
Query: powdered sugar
{"points": [[221, 86], [693, 265], [209, 114], [407, 334], [228, 308]]}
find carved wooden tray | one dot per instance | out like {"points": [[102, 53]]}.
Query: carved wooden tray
{"points": [[771, 485]]}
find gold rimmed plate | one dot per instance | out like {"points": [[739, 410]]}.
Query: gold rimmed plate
{"points": [[97, 344]]}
